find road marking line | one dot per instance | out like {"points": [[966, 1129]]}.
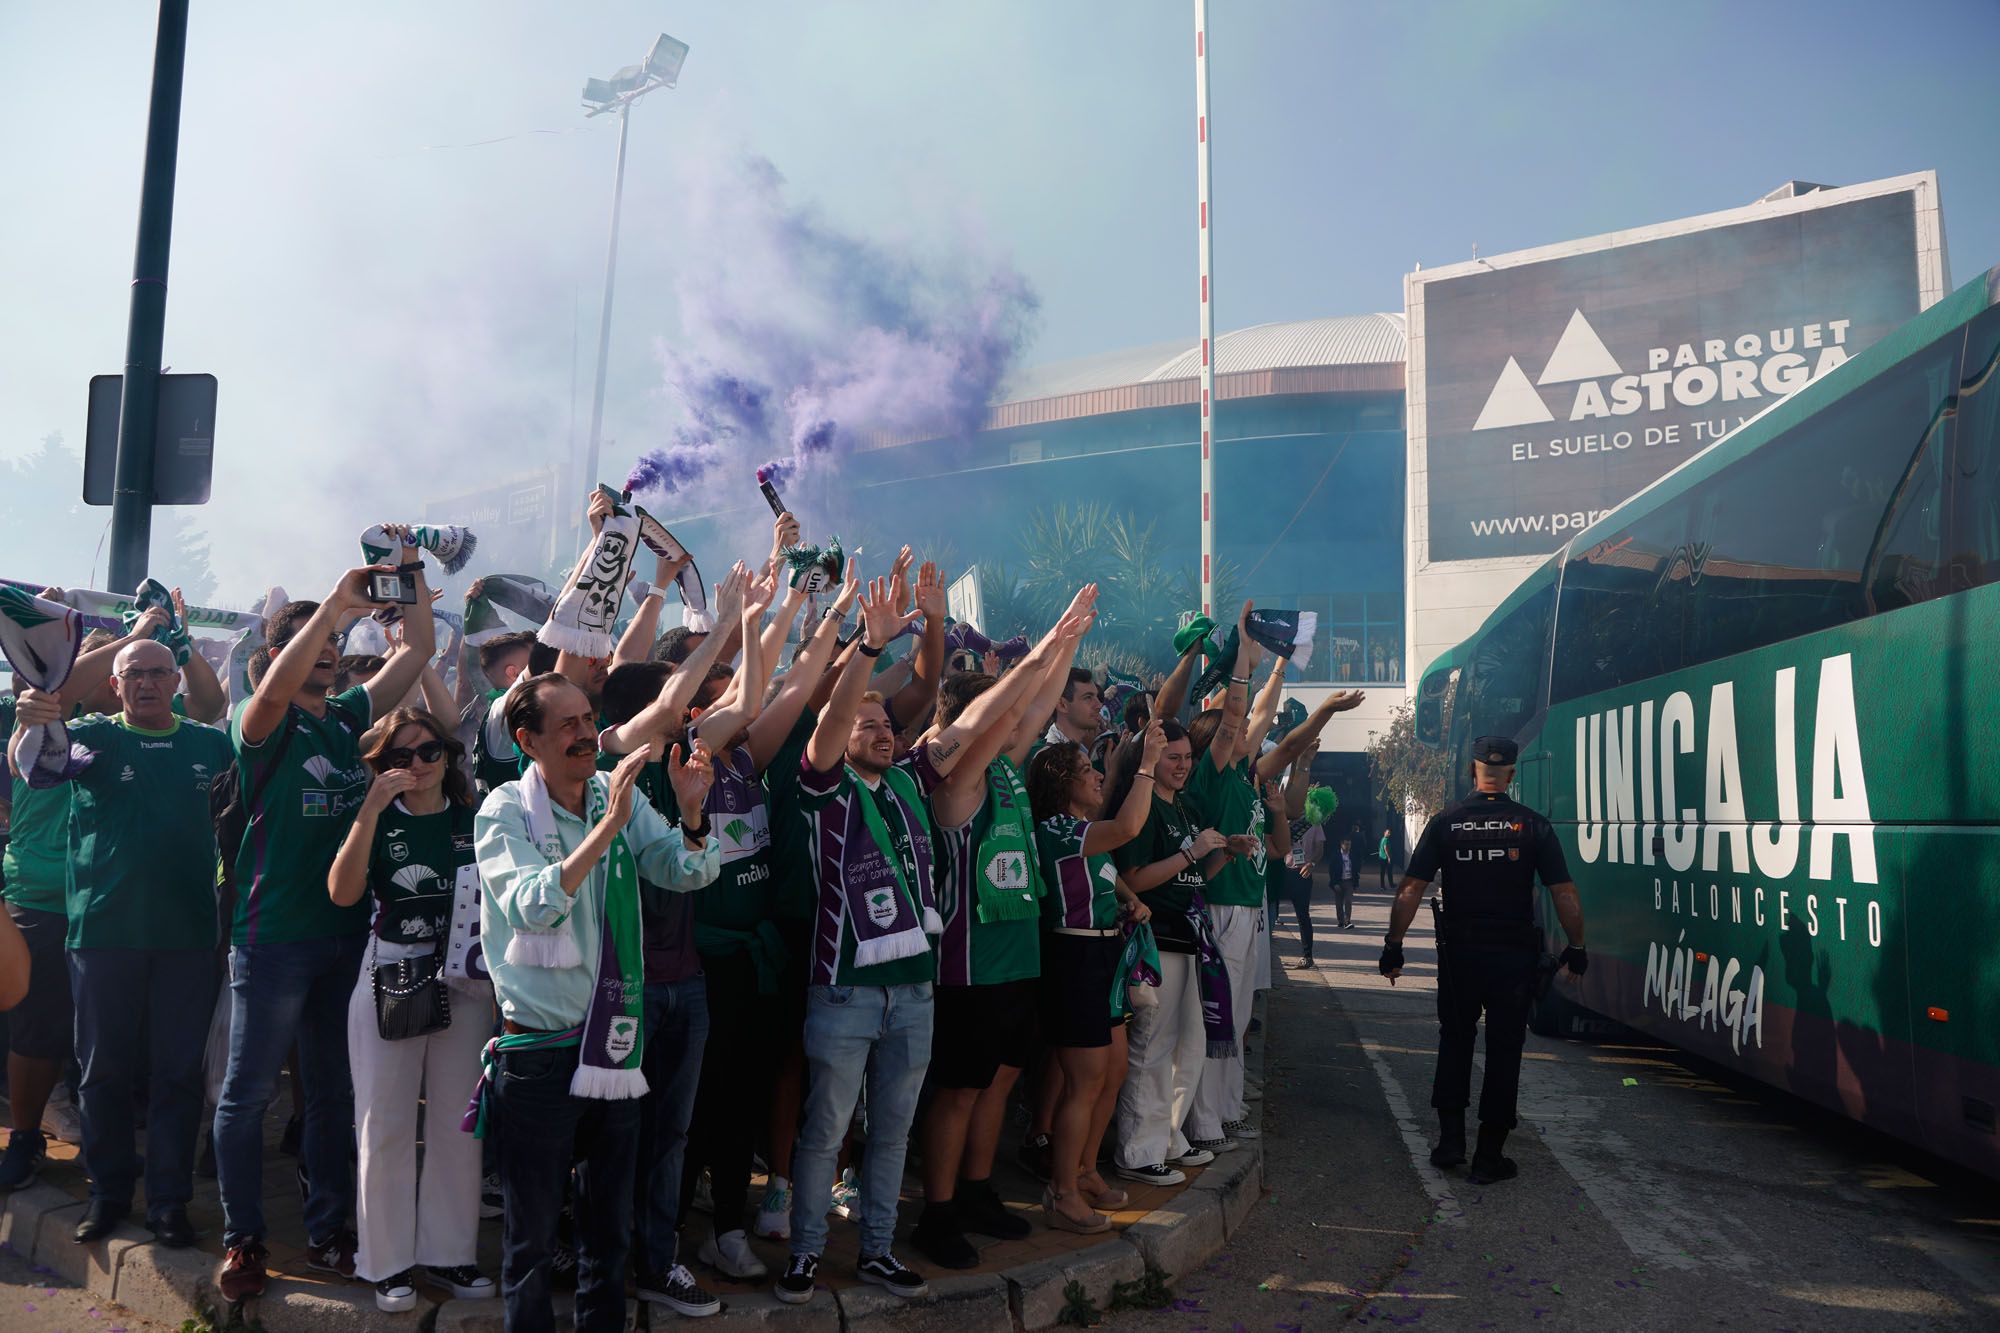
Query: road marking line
{"points": [[1435, 1185]]}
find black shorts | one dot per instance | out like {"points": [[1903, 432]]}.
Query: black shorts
{"points": [[976, 1029], [1077, 971], [43, 1025]]}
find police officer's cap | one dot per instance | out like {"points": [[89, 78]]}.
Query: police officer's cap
{"points": [[1497, 751]]}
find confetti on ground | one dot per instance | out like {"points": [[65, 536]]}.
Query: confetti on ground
{"points": [[1631, 1082]]}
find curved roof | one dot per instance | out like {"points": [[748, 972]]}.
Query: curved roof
{"points": [[1342, 340]]}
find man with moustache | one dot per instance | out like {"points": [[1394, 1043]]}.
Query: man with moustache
{"points": [[563, 853]]}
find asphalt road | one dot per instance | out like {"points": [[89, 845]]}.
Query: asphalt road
{"points": [[1655, 1190]]}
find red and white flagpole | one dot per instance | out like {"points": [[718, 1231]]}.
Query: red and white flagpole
{"points": [[1207, 310]]}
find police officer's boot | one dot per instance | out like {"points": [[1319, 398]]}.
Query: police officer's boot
{"points": [[1450, 1150], [1488, 1165]]}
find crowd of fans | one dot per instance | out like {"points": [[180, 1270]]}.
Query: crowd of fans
{"points": [[592, 928]]}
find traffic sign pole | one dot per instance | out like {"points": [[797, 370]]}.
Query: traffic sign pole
{"points": [[138, 408]]}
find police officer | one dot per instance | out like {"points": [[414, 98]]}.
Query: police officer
{"points": [[1492, 848]]}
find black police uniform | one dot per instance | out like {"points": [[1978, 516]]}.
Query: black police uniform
{"points": [[1490, 848]]}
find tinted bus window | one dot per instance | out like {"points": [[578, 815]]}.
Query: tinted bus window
{"points": [[1838, 518], [1502, 688], [1975, 541], [1619, 619]]}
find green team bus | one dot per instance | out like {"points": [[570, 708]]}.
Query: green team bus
{"points": [[1760, 701]]}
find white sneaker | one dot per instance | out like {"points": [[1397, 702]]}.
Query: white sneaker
{"points": [[730, 1255], [60, 1118], [491, 1202], [774, 1215]]}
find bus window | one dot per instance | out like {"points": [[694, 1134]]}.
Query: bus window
{"points": [[1975, 541], [1502, 691], [1619, 618], [1838, 518]]}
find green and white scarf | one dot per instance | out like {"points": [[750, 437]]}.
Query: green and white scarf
{"points": [[40, 640], [1007, 876], [611, 1038], [452, 545]]}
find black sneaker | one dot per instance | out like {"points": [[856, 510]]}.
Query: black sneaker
{"points": [[980, 1210], [393, 1295], [562, 1266], [1492, 1170], [464, 1281], [1157, 1174], [801, 1278], [677, 1289], [1034, 1155], [27, 1151], [334, 1255], [884, 1271], [940, 1237]]}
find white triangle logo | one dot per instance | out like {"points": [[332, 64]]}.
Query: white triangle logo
{"points": [[1580, 355], [1513, 401]]}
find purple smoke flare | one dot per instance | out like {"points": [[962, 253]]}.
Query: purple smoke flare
{"points": [[816, 339]]}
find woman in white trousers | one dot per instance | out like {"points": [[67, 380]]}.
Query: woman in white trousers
{"points": [[411, 847], [1167, 865]]}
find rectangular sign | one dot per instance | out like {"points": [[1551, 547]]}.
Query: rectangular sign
{"points": [[1556, 389]]}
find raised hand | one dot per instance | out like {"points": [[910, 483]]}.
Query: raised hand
{"points": [[730, 592], [850, 587], [1342, 700], [899, 580], [881, 620], [784, 532], [601, 506], [1154, 745], [351, 593], [385, 788], [624, 779], [930, 591], [691, 779], [1081, 613]]}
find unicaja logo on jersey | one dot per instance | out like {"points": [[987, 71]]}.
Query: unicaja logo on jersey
{"points": [[321, 768], [1741, 367]]}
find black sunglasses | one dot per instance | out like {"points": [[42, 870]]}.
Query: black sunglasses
{"points": [[399, 757]]}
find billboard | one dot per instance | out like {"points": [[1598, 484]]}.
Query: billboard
{"points": [[512, 520], [1556, 384]]}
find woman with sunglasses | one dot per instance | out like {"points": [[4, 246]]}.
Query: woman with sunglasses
{"points": [[411, 847], [1075, 835]]}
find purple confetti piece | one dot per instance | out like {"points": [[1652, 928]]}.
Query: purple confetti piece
{"points": [[32, 1307]]}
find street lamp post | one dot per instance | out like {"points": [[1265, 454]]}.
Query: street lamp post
{"points": [[661, 69]]}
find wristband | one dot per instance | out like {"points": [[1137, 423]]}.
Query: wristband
{"points": [[410, 568], [1239, 680], [1147, 776], [868, 651], [699, 834]]}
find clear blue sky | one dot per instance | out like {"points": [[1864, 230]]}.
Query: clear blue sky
{"points": [[380, 310]]}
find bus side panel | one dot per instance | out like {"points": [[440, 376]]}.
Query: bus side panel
{"points": [[1954, 891]]}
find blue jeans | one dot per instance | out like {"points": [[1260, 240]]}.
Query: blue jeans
{"points": [[542, 1132], [141, 1017], [676, 1032], [882, 1033], [280, 991]]}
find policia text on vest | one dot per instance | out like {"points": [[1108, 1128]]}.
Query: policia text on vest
{"points": [[1489, 849]]}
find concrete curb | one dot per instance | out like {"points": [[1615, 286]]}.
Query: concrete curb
{"points": [[171, 1285]]}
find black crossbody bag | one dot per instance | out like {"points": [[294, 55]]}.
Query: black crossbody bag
{"points": [[410, 996]]}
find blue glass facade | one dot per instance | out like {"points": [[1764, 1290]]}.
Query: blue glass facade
{"points": [[1308, 494], [1309, 511]]}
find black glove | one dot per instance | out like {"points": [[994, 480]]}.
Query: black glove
{"points": [[1576, 960], [1392, 958]]}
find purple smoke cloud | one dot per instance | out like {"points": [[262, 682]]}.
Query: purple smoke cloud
{"points": [[801, 340]]}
